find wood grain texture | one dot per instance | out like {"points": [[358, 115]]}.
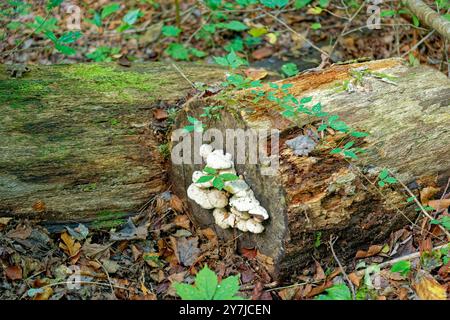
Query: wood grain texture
{"points": [[76, 141], [409, 134]]}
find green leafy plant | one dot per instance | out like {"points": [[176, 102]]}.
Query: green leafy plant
{"points": [[218, 180], [207, 287], [171, 31], [336, 292], [103, 54], [443, 221], [402, 267], [231, 60], [196, 125], [98, 17], [212, 112], [385, 178], [177, 51], [61, 42], [289, 69], [129, 19]]}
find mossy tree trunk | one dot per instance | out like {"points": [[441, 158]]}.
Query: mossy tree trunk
{"points": [[79, 141], [323, 194]]}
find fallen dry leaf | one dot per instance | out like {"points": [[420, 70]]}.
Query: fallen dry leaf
{"points": [[373, 250], [288, 293], [160, 114], [319, 289], [249, 253], [176, 204], [4, 221], [427, 288], [182, 221], [320, 274], [95, 251], [355, 279], [48, 291], [21, 232], [439, 204], [256, 74], [210, 234], [39, 206], [69, 245], [14, 273], [262, 53], [136, 252], [427, 193], [187, 250]]}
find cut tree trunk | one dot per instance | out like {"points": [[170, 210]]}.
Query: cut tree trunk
{"points": [[81, 141], [313, 197]]}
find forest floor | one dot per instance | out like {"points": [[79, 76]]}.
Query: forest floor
{"points": [[142, 257]]}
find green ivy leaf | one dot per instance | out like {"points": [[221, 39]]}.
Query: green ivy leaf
{"points": [[70, 36], [204, 179], [131, 17], [65, 49], [218, 183], [289, 69], [350, 154], [390, 180], [228, 177], [316, 26], [383, 174], [209, 170], [233, 25], [349, 144], [403, 267], [301, 3], [109, 10], [336, 292], [443, 221], [358, 134], [171, 31], [53, 4], [335, 151], [177, 51]]}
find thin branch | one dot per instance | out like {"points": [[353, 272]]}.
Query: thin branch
{"points": [[410, 256], [430, 17], [350, 284], [418, 43], [426, 214], [298, 34]]}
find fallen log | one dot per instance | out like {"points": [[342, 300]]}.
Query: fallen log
{"points": [[81, 141], [406, 112]]}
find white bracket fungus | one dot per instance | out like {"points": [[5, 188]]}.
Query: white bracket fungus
{"points": [[235, 206]]}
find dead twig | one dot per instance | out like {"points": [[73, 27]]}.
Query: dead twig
{"points": [[407, 257], [347, 279]]}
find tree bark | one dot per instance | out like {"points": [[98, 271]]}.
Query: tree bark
{"points": [[81, 142], [316, 196]]}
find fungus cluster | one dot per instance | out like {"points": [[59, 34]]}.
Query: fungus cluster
{"points": [[235, 205]]}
